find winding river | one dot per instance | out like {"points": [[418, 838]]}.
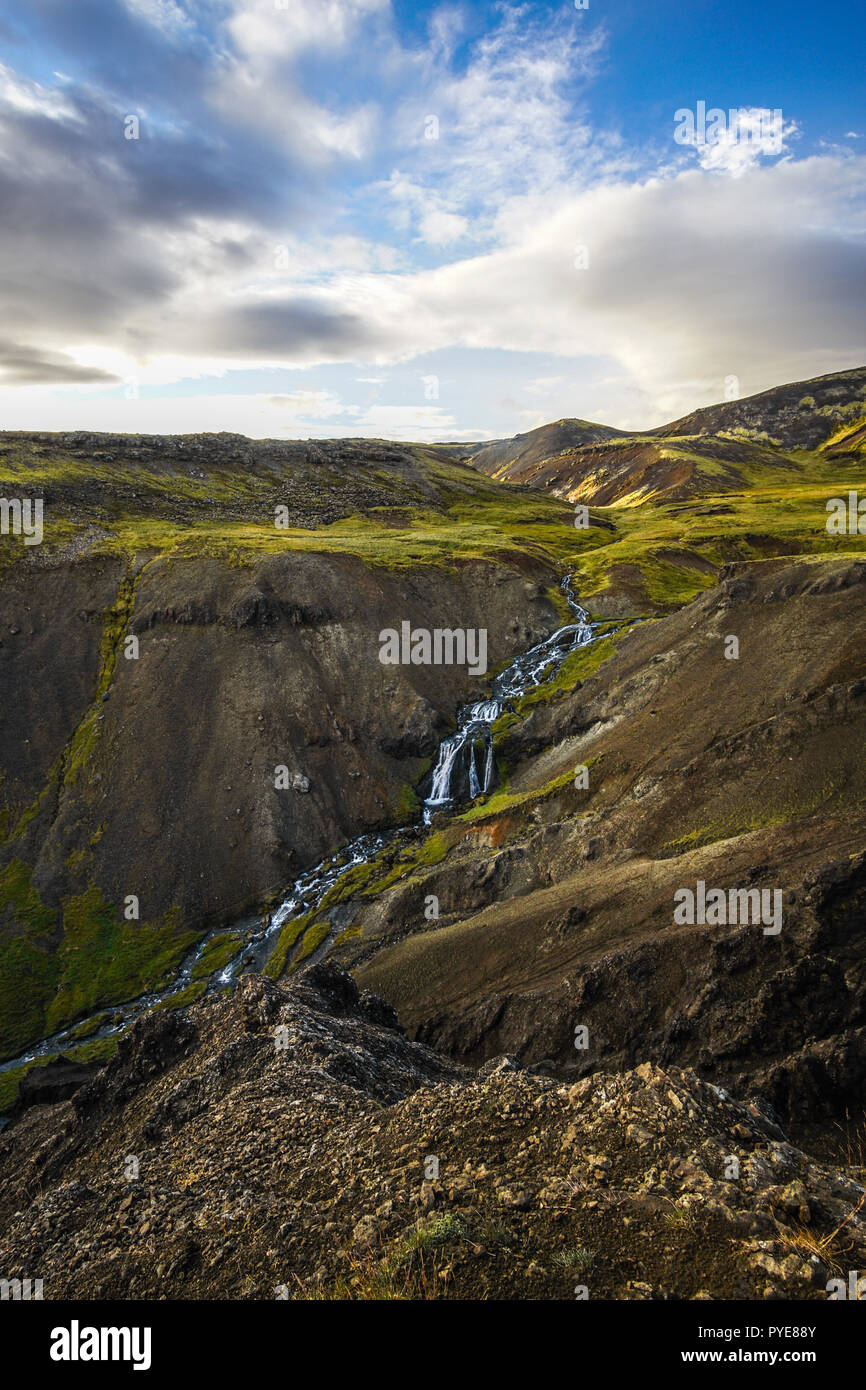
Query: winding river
{"points": [[465, 762]]}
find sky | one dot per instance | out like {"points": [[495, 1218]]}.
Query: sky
{"points": [[300, 218]]}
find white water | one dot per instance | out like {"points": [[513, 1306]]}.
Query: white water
{"points": [[472, 742], [475, 722]]}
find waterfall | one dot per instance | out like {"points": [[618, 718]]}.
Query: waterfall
{"points": [[475, 722], [474, 726]]}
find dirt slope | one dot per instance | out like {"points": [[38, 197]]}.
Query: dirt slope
{"points": [[206, 1161]]}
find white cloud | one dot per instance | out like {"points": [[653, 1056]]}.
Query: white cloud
{"points": [[159, 262], [691, 279], [738, 140], [165, 15], [417, 422], [263, 30]]}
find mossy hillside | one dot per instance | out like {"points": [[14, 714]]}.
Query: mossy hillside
{"points": [[576, 668], [502, 802], [57, 965], [289, 936], [104, 959], [29, 970], [182, 998], [73, 759], [115, 628], [834, 792], [441, 512], [761, 523], [314, 936]]}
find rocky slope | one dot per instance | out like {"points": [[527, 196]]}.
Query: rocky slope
{"points": [[295, 1144], [556, 901]]}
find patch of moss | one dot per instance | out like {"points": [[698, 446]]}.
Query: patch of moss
{"points": [[407, 807], [745, 819], [577, 667], [503, 801], [183, 998], [289, 935], [104, 959], [28, 968], [313, 938], [90, 1026], [216, 954], [100, 1050]]}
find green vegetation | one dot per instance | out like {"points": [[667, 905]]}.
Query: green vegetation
{"points": [[57, 966], [28, 969], [762, 811], [183, 998], [503, 801], [288, 938], [216, 954], [103, 959], [576, 668], [577, 1258], [313, 938]]}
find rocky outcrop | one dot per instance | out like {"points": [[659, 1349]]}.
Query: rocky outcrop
{"points": [[294, 1143]]}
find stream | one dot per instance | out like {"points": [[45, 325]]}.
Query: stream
{"points": [[465, 762]]}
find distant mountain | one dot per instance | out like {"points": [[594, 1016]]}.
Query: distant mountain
{"points": [[719, 448], [509, 459]]}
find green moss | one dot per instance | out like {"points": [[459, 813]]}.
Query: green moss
{"points": [[11, 1079], [289, 935], [17, 892], [99, 1050], [183, 998], [577, 667], [407, 807], [503, 801], [216, 954], [762, 814], [104, 959], [28, 968], [313, 938], [114, 630], [90, 1025]]}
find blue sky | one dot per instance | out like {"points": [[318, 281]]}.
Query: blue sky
{"points": [[427, 221]]}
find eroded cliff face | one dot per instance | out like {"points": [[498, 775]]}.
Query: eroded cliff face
{"points": [[153, 775], [556, 900]]}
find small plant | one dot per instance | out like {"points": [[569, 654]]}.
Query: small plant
{"points": [[576, 1258]]}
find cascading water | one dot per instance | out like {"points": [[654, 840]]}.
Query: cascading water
{"points": [[474, 728], [475, 722]]}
